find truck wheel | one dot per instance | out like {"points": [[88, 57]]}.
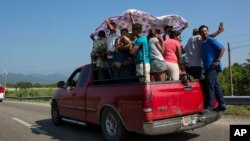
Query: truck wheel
{"points": [[56, 118], [112, 127], [1, 100]]}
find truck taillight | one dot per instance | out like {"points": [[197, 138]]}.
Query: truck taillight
{"points": [[148, 106], [148, 114]]}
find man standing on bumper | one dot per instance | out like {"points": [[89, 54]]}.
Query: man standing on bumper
{"points": [[212, 51]]}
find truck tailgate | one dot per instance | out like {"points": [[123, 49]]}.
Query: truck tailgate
{"points": [[175, 99]]}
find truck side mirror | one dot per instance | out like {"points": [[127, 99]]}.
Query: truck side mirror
{"points": [[60, 84]]}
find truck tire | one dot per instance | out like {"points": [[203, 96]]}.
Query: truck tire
{"points": [[1, 100], [112, 127], [56, 118]]}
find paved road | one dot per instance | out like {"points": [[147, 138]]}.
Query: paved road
{"points": [[31, 122]]}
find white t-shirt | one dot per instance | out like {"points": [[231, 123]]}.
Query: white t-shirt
{"points": [[111, 40], [193, 51], [154, 52]]}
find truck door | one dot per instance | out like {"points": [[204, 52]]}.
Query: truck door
{"points": [[73, 101]]}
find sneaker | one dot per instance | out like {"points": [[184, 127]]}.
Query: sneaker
{"points": [[204, 111], [221, 108]]}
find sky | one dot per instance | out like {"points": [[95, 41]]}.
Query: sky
{"points": [[52, 36]]}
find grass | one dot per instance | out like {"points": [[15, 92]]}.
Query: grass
{"points": [[30, 92], [242, 110]]}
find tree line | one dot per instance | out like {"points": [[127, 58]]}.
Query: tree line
{"points": [[241, 79]]}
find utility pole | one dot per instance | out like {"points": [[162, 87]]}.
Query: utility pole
{"points": [[5, 78], [230, 69]]}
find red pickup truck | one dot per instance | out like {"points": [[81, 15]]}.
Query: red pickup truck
{"points": [[148, 108]]}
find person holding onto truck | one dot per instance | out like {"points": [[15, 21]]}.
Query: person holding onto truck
{"points": [[157, 64], [172, 55], [98, 54], [193, 52], [114, 34], [123, 60], [212, 52], [140, 45]]}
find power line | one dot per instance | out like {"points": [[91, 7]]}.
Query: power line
{"points": [[236, 36], [239, 42], [241, 47]]}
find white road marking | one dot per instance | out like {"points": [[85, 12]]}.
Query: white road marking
{"points": [[35, 128]]}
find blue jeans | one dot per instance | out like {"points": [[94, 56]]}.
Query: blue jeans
{"points": [[213, 89], [196, 72]]}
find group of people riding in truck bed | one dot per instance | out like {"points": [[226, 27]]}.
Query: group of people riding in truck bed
{"points": [[124, 54]]}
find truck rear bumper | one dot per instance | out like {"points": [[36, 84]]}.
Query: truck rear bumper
{"points": [[179, 124]]}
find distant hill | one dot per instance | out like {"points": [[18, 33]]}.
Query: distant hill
{"points": [[33, 78]]}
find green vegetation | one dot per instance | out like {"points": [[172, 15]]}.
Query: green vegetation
{"points": [[241, 79], [26, 91], [241, 86], [30, 92], [26, 85], [243, 110], [31, 95]]}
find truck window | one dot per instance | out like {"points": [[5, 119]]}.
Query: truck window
{"points": [[72, 81], [84, 77]]}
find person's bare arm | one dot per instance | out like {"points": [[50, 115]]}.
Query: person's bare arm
{"points": [[131, 18], [220, 30], [161, 43], [127, 41], [221, 54], [133, 49], [110, 26], [217, 61], [178, 54], [159, 47]]}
